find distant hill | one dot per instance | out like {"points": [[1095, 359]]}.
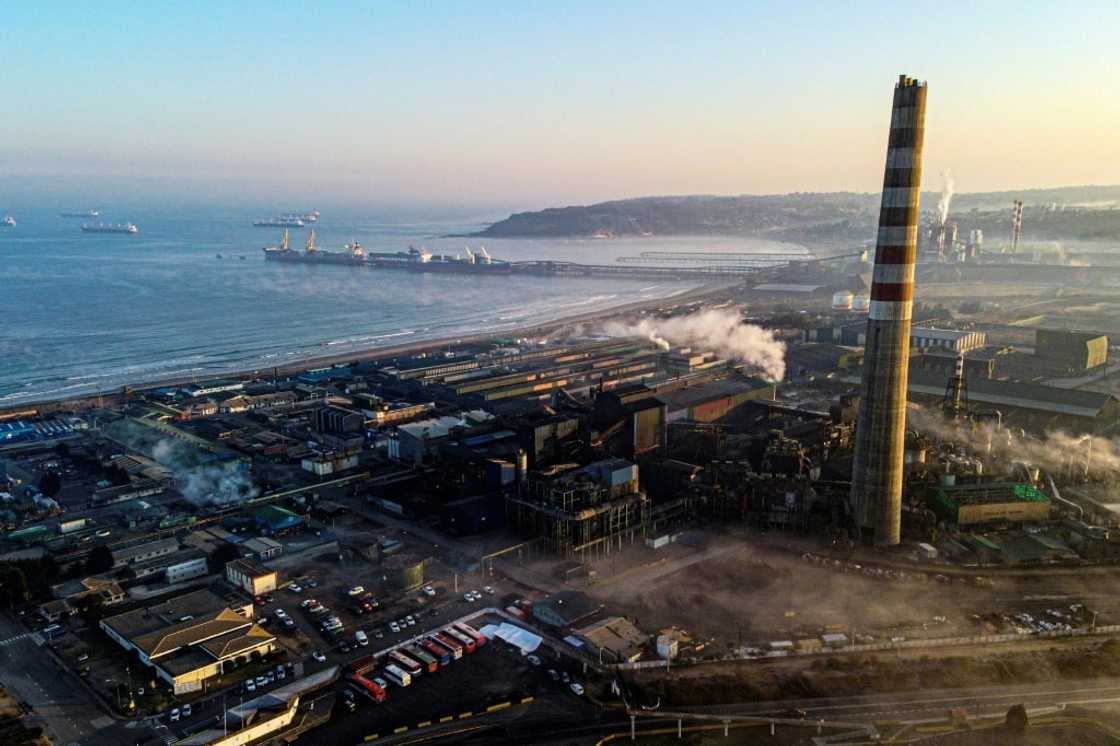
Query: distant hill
{"points": [[804, 216]]}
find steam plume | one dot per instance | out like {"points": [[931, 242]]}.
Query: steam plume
{"points": [[716, 330], [1056, 451], [947, 188]]}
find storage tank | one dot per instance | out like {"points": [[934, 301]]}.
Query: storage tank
{"points": [[667, 646], [404, 572], [842, 301], [861, 303]]}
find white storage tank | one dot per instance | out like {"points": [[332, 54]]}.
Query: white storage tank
{"points": [[667, 646], [842, 301]]}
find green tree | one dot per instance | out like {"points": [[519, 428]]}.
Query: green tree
{"points": [[100, 560], [50, 483], [223, 554]]}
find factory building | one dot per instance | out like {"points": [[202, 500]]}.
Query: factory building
{"points": [[876, 492], [581, 512], [629, 421], [711, 401], [1032, 406], [974, 504], [1079, 350], [951, 339]]}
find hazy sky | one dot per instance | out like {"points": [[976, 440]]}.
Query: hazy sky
{"points": [[531, 104]]}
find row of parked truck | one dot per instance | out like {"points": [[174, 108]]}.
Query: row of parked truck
{"points": [[426, 654]]}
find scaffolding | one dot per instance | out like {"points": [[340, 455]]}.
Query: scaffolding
{"points": [[580, 519]]}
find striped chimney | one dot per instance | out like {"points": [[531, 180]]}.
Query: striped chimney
{"points": [[881, 429]]}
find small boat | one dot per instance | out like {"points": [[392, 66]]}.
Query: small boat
{"points": [[8, 221]]}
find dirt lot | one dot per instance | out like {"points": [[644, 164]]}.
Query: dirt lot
{"points": [[878, 673]]}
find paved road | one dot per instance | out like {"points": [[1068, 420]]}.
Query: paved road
{"points": [[66, 709]]}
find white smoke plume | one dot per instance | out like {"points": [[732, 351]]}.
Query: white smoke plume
{"points": [[204, 484], [947, 188], [1057, 451], [721, 331]]}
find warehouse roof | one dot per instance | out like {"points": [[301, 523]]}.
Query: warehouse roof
{"points": [[1018, 394], [988, 493], [704, 392]]}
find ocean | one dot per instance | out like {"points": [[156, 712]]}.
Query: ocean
{"points": [[86, 312]]}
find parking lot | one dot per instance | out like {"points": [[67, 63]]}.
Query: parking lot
{"points": [[496, 673]]}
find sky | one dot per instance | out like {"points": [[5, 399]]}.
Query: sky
{"points": [[532, 104]]}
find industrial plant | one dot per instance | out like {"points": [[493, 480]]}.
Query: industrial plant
{"points": [[815, 477]]}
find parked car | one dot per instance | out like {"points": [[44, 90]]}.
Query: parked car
{"points": [[319, 656], [261, 681], [534, 660], [360, 638], [174, 716], [577, 688], [250, 687], [394, 627], [356, 591], [186, 711], [281, 613], [295, 588], [429, 591], [488, 590], [258, 601]]}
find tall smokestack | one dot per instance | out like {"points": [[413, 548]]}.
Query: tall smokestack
{"points": [[881, 429]]}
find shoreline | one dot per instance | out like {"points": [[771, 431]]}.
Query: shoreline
{"points": [[88, 400]]}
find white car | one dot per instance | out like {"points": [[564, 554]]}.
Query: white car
{"points": [[488, 590], [174, 715], [577, 688], [250, 686], [468, 596], [319, 656], [429, 591], [534, 660], [186, 711], [356, 591], [394, 627], [360, 638], [294, 587], [281, 613]]}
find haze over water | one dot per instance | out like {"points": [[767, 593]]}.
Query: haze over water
{"points": [[90, 312]]}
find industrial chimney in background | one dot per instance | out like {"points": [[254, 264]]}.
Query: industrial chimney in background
{"points": [[881, 428]]}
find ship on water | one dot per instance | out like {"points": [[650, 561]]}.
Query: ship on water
{"points": [[422, 260], [110, 228], [284, 221], [353, 254], [8, 221], [86, 214]]}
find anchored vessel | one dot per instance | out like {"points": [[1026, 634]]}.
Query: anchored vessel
{"points": [[86, 214], [881, 429], [284, 221], [110, 228], [8, 221], [312, 254], [422, 260]]}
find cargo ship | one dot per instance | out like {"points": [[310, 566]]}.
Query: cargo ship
{"points": [[8, 221], [284, 221], [422, 260], [86, 214], [110, 228], [353, 254]]}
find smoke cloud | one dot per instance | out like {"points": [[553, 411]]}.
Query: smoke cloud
{"points": [[204, 484], [1057, 451], [947, 188], [716, 330]]}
